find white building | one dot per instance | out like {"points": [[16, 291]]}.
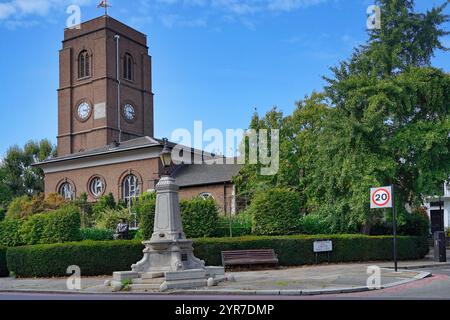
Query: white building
{"points": [[438, 209]]}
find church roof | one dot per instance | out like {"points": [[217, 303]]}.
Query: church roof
{"points": [[203, 174], [142, 142], [185, 175]]}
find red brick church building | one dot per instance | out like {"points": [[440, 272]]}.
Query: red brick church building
{"points": [[106, 137]]}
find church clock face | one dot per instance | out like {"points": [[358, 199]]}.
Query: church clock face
{"points": [[129, 113], [84, 111]]}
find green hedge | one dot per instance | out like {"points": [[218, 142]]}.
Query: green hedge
{"points": [[145, 209], [102, 258], [276, 212], [93, 258], [9, 233], [200, 217], [3, 268], [241, 225], [297, 249], [97, 234], [62, 225]]}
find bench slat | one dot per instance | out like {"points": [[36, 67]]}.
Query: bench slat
{"points": [[249, 257]]}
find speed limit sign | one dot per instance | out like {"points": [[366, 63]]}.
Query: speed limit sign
{"points": [[381, 198]]}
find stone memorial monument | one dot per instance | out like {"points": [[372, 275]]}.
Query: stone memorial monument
{"points": [[169, 261]]}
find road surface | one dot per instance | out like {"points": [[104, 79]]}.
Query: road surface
{"points": [[435, 287]]}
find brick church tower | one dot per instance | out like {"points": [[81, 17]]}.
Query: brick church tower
{"points": [[106, 142], [105, 90]]}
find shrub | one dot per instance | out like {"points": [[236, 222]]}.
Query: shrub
{"points": [[86, 211], [22, 207], [105, 257], [106, 202], [61, 225], [314, 224], [144, 207], [110, 218], [97, 234], [415, 223], [199, 217], [9, 233], [3, 268], [16, 207], [276, 212], [241, 225], [2, 213]]}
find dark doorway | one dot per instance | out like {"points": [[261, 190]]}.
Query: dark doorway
{"points": [[437, 220]]}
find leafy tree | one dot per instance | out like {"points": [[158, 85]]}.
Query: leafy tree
{"points": [[383, 118], [17, 175], [250, 181], [391, 119]]}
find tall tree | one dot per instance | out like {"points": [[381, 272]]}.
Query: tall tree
{"points": [[18, 176], [383, 118], [391, 118]]}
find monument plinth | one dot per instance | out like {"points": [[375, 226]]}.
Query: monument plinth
{"points": [[168, 250], [168, 255]]}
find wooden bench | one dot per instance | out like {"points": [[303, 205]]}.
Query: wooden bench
{"points": [[249, 257]]}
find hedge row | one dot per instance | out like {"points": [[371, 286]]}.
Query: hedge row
{"points": [[3, 268], [93, 258], [61, 225], [105, 257], [298, 249]]}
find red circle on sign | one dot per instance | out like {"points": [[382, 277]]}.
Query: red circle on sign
{"points": [[384, 203]]}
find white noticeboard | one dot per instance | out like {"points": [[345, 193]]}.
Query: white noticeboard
{"points": [[323, 246], [381, 198]]}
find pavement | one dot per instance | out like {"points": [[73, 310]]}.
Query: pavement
{"points": [[329, 279]]}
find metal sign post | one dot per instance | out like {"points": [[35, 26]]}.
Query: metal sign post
{"points": [[381, 198], [394, 226]]}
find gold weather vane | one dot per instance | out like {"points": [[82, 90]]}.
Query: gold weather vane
{"points": [[104, 4]]}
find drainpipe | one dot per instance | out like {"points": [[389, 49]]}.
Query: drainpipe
{"points": [[117, 37]]}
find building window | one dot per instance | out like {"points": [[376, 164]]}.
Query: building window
{"points": [[130, 188], [128, 67], [97, 187], [84, 65], [67, 191], [206, 196]]}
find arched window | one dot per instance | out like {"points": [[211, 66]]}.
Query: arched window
{"points": [[84, 65], [206, 195], [66, 190], [130, 188], [97, 186], [128, 67]]}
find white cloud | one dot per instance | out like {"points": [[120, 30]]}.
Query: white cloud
{"points": [[241, 7], [172, 20], [241, 11], [19, 9], [6, 10], [289, 5]]}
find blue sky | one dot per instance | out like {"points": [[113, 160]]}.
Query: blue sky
{"points": [[213, 60]]}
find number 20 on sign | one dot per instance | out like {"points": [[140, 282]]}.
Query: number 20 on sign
{"points": [[381, 198]]}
